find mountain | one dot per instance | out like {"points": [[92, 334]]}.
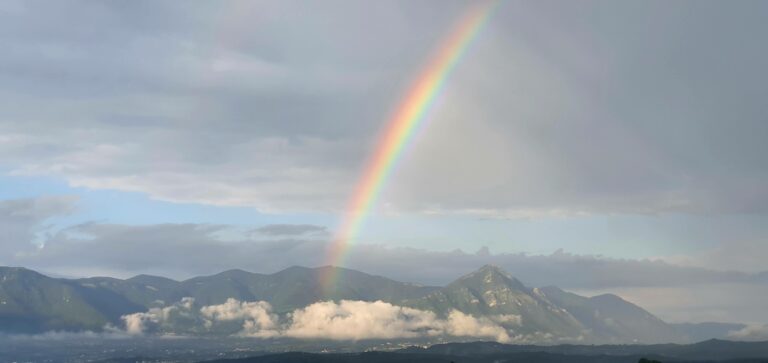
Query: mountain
{"points": [[286, 290], [490, 291], [697, 332], [31, 302], [611, 318]]}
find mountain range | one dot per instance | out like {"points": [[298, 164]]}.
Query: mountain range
{"points": [[31, 302]]}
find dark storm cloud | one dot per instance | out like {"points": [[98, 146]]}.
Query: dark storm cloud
{"points": [[557, 108]]}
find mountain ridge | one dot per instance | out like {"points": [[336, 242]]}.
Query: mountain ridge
{"points": [[31, 302]]}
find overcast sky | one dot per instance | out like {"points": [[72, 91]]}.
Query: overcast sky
{"points": [[573, 140]]}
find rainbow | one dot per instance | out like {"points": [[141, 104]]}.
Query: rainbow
{"points": [[409, 116]]}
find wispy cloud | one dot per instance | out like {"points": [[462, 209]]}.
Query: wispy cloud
{"points": [[752, 332], [291, 230]]}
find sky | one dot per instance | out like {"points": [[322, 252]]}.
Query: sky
{"points": [[598, 145]]}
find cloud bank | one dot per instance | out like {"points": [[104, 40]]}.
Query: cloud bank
{"points": [[344, 320], [279, 114], [124, 250]]}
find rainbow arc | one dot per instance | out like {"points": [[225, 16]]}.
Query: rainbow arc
{"points": [[400, 128]]}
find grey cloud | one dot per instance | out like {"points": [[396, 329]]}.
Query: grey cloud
{"points": [[183, 250], [176, 250], [290, 229], [556, 109], [597, 114], [23, 220]]}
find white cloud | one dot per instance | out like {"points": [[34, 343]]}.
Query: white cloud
{"points": [[344, 320], [751, 332], [257, 317], [158, 318], [463, 325], [355, 320], [135, 323]]}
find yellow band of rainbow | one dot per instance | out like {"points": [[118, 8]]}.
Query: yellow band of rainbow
{"points": [[407, 118]]}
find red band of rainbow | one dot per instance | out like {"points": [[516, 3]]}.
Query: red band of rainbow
{"points": [[408, 116]]}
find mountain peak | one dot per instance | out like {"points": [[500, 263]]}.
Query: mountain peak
{"points": [[144, 278], [491, 271], [235, 272], [492, 268], [490, 277]]}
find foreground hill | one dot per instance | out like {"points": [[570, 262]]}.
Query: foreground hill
{"points": [[386, 357], [485, 352], [192, 349], [710, 350]]}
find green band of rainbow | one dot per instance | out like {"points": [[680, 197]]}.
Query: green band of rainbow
{"points": [[409, 115]]}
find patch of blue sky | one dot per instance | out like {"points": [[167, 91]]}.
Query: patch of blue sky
{"points": [[134, 208]]}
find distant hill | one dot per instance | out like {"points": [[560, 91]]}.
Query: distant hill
{"points": [[612, 318], [32, 303], [490, 291], [697, 332]]}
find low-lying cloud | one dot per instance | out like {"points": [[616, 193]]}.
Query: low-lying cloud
{"points": [[161, 318], [257, 317], [751, 332], [357, 320], [343, 320]]}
